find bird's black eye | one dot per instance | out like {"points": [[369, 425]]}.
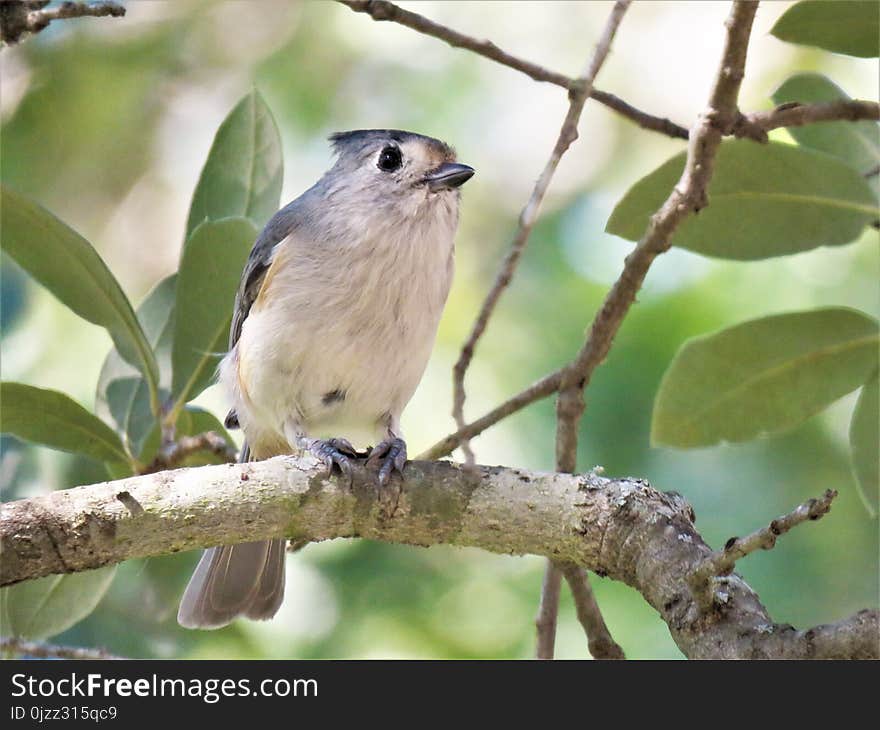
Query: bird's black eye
{"points": [[389, 159]]}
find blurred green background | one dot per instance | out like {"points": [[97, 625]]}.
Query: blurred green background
{"points": [[108, 122]]}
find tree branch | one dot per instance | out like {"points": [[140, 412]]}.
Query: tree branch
{"points": [[528, 217], [535, 392], [381, 10], [566, 461], [798, 115], [20, 647], [600, 641], [622, 528], [687, 197], [548, 612], [32, 16], [794, 114], [722, 562], [174, 453]]}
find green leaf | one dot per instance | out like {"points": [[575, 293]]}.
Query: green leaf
{"points": [[243, 174], [864, 439], [856, 143], [38, 609], [762, 376], [122, 395], [53, 419], [844, 26], [209, 274], [764, 200], [67, 265]]}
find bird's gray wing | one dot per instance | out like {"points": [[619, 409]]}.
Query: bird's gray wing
{"points": [[259, 260], [253, 276]]}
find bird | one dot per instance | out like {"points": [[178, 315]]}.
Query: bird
{"points": [[333, 325]]}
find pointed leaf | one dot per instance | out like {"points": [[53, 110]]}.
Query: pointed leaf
{"points": [[764, 201], [122, 396], [207, 281], [243, 174], [38, 609], [844, 26], [55, 420], [762, 376], [67, 265], [856, 143], [864, 439]]}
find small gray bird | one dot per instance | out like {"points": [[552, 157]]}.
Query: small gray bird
{"points": [[334, 322]]}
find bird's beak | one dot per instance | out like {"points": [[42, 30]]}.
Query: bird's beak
{"points": [[449, 175]]}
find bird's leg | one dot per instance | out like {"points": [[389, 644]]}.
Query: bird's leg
{"points": [[389, 454]]}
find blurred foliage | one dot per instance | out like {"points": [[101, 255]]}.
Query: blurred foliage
{"points": [[109, 127]]}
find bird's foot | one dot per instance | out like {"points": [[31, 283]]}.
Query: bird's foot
{"points": [[389, 456], [334, 452]]}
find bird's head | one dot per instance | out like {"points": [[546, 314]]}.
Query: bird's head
{"points": [[390, 164]]}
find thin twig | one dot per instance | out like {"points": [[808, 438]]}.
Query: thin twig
{"points": [[548, 611], [642, 119], [793, 114], [529, 215], [686, 198], [175, 453], [600, 641], [39, 19], [567, 464], [32, 16], [721, 562], [536, 391], [381, 10], [22, 647]]}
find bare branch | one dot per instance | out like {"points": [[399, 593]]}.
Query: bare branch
{"points": [[529, 215], [535, 392], [20, 647], [722, 562], [32, 16], [642, 119], [793, 114], [687, 197], [600, 641], [621, 528], [382, 10], [579, 583], [548, 612], [174, 453]]}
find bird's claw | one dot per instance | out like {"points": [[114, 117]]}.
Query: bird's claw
{"points": [[335, 452], [390, 455]]}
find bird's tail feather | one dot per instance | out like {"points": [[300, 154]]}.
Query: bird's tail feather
{"points": [[234, 580]]}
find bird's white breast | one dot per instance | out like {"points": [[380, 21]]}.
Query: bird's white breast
{"points": [[353, 318]]}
